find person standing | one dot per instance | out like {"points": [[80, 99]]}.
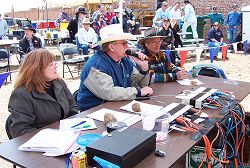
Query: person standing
{"points": [[3, 27], [109, 14], [87, 37], [190, 19], [233, 21], [215, 38], [175, 12], [160, 14], [109, 75], [64, 16], [76, 23], [215, 16]]}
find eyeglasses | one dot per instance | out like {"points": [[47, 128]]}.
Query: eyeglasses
{"points": [[164, 5], [123, 43], [155, 42], [86, 24]]}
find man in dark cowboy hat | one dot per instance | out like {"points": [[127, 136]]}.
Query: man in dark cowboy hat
{"points": [[76, 22], [29, 42], [160, 67]]}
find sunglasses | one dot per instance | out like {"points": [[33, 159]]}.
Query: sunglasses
{"points": [[86, 24]]}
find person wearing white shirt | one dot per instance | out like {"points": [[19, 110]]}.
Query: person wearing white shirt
{"points": [[161, 14], [87, 37], [175, 12], [190, 19], [3, 27]]}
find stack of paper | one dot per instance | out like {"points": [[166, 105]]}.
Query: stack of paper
{"points": [[129, 119], [51, 141]]}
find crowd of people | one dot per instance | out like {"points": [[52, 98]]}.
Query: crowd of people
{"points": [[109, 74]]}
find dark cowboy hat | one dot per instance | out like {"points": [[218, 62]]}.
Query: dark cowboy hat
{"points": [[81, 10], [29, 27], [150, 33]]}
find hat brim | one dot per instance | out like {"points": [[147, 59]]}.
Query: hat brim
{"points": [[142, 40], [124, 36], [81, 12], [27, 28]]}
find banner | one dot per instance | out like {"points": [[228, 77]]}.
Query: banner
{"points": [[245, 46], [167, 52], [3, 76], [198, 55], [235, 47], [183, 55], [224, 52], [212, 52]]}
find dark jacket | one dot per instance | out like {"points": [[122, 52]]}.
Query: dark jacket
{"points": [[73, 28], [24, 46], [33, 110], [114, 20]]}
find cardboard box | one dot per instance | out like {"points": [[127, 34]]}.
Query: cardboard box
{"points": [[125, 148]]}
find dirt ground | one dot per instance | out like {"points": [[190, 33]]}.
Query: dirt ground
{"points": [[236, 68]]}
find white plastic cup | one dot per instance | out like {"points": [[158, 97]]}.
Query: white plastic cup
{"points": [[159, 125]]}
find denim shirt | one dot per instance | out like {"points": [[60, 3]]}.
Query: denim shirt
{"points": [[233, 19]]}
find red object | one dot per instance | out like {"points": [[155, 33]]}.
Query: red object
{"points": [[44, 24], [224, 52], [183, 55]]}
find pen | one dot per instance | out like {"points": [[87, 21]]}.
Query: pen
{"points": [[80, 123]]}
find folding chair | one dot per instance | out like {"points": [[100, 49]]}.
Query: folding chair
{"points": [[7, 129], [71, 49], [5, 60], [211, 70]]}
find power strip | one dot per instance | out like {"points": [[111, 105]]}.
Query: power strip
{"points": [[176, 110], [196, 97]]}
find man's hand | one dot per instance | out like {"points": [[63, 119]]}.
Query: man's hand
{"points": [[142, 61], [181, 74], [146, 91]]}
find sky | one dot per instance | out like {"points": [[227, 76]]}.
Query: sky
{"points": [[19, 5]]}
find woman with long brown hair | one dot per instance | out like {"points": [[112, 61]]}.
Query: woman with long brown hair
{"points": [[40, 97]]}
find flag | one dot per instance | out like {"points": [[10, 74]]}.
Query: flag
{"points": [[198, 55], [245, 46], [3, 76], [183, 55], [235, 47], [224, 52], [212, 54], [167, 52]]}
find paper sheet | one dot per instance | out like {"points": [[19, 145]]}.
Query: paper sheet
{"points": [[187, 82], [51, 141], [66, 124], [145, 108], [129, 119]]}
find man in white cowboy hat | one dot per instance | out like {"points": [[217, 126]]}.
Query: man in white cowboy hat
{"points": [[115, 19], [87, 37], [110, 75], [29, 42], [161, 69]]}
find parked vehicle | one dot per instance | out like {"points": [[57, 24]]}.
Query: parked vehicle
{"points": [[15, 26]]}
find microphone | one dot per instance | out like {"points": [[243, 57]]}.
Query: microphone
{"points": [[132, 53]]}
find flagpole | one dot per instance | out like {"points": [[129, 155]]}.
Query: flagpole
{"points": [[47, 14]]}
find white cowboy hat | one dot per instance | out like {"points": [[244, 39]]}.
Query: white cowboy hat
{"points": [[114, 32], [85, 20]]}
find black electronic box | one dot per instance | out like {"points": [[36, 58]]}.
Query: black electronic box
{"points": [[125, 147]]}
